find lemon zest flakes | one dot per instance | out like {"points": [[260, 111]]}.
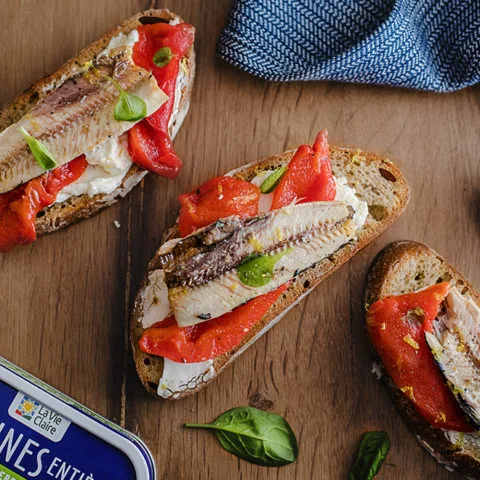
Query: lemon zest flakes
{"points": [[183, 66], [349, 227], [384, 326], [357, 159], [164, 386], [279, 234], [416, 312], [87, 65], [255, 243], [436, 351], [408, 391], [441, 417], [233, 287], [456, 390], [460, 440], [410, 341]]}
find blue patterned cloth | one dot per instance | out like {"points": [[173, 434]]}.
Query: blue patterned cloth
{"points": [[421, 44]]}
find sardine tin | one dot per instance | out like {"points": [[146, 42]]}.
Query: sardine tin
{"points": [[46, 435]]}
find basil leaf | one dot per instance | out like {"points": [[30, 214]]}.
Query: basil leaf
{"points": [[39, 151], [257, 271], [271, 182], [129, 108], [163, 57], [372, 452], [259, 437]]}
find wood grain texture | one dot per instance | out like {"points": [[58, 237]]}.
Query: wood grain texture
{"points": [[65, 300]]}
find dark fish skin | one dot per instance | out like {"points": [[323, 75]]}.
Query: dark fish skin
{"points": [[208, 253], [85, 83], [222, 246]]}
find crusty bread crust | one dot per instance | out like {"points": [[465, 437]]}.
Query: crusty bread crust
{"points": [[376, 180], [404, 267], [74, 209]]}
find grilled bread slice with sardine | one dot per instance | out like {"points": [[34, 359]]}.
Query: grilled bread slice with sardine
{"points": [[78, 140], [423, 320], [246, 248]]}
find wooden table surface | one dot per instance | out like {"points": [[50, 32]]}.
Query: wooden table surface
{"points": [[66, 300]]}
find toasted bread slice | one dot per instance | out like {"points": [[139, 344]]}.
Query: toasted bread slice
{"points": [[404, 267], [74, 209], [376, 180]]}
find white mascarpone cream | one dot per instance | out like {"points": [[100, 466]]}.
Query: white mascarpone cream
{"points": [[347, 194], [177, 377], [109, 162], [122, 40]]}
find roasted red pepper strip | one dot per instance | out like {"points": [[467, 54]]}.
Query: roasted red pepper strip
{"points": [[397, 328], [150, 145], [19, 207], [308, 177], [218, 198], [208, 339], [153, 150]]}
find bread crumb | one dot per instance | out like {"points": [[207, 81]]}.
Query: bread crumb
{"points": [[377, 370], [116, 223]]}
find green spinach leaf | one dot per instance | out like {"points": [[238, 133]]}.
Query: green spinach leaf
{"points": [[271, 182], [257, 271], [259, 437], [372, 452], [39, 151]]}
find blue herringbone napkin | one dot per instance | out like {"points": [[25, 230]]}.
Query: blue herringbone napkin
{"points": [[421, 44]]}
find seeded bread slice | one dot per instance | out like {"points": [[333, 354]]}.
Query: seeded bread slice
{"points": [[74, 209], [375, 179], [404, 267]]}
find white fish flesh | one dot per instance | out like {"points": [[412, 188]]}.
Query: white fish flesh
{"points": [[455, 344], [306, 246]]}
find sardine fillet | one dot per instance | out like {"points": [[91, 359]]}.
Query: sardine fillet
{"points": [[75, 117], [195, 305], [209, 253], [455, 348]]}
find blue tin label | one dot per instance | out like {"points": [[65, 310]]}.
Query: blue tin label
{"points": [[43, 437]]}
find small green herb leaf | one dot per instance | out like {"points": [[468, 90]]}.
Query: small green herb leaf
{"points": [[256, 271], [271, 182], [43, 157], [372, 452], [129, 108], [163, 57], [259, 437]]}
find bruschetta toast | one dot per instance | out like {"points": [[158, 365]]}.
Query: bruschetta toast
{"points": [[81, 138], [423, 319], [247, 247]]}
